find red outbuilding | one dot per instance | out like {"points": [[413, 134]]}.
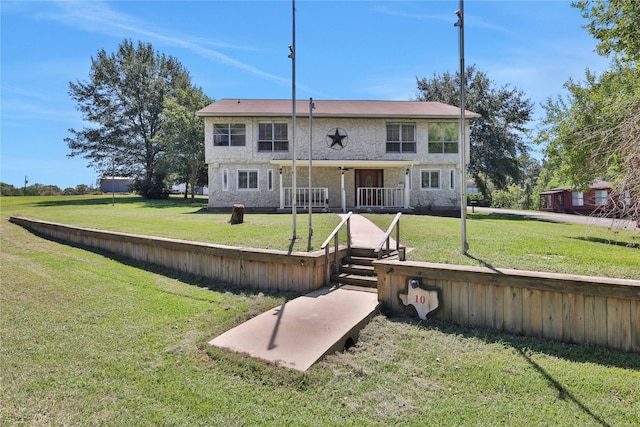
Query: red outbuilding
{"points": [[568, 200]]}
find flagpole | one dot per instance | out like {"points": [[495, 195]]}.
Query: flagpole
{"points": [[311, 107], [292, 55], [462, 148]]}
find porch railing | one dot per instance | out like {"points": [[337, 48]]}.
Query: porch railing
{"points": [[381, 197], [319, 197]]}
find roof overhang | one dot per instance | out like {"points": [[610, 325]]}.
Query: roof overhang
{"points": [[553, 191], [405, 110], [348, 164]]}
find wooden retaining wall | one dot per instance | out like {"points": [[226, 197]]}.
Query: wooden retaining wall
{"points": [[265, 270], [573, 309], [568, 308]]}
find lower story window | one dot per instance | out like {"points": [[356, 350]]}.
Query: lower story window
{"points": [[430, 179], [577, 198], [270, 179], [602, 197], [225, 180], [247, 180]]}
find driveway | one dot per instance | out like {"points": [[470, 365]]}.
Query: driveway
{"points": [[552, 216]]}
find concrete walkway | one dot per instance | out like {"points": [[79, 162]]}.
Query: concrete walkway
{"points": [[365, 234], [302, 331]]}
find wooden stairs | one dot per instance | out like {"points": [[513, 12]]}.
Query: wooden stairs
{"points": [[357, 269]]}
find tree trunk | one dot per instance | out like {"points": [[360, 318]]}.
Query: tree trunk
{"points": [[194, 179]]}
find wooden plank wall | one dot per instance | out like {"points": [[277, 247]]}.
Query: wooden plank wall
{"points": [[568, 308], [264, 270]]}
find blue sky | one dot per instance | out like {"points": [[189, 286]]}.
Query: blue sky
{"points": [[238, 49]]}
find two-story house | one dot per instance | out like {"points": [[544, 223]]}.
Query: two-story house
{"points": [[378, 155]]}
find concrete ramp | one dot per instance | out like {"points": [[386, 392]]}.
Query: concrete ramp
{"points": [[301, 331]]}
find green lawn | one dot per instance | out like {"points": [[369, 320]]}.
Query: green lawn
{"points": [[176, 218], [90, 340], [498, 241], [515, 242]]}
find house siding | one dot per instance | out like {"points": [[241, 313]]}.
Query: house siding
{"points": [[561, 200], [366, 141]]}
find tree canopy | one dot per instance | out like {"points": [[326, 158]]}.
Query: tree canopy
{"points": [[123, 101], [616, 24], [497, 136], [593, 132], [184, 135]]}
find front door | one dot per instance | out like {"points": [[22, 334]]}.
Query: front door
{"points": [[367, 180]]}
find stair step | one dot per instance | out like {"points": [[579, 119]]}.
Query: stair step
{"points": [[363, 252], [357, 280], [360, 260], [369, 257], [358, 269]]}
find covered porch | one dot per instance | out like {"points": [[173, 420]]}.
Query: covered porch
{"points": [[345, 184]]}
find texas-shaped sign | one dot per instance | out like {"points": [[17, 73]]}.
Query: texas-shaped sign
{"points": [[423, 300]]}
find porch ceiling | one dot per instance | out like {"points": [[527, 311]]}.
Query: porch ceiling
{"points": [[369, 164]]}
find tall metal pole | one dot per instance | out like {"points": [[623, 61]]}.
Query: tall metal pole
{"points": [[113, 181], [311, 107], [292, 55], [463, 163]]}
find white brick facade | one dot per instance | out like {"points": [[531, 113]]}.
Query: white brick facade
{"points": [[364, 152]]}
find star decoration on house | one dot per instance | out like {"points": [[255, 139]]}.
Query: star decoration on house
{"points": [[336, 138]]}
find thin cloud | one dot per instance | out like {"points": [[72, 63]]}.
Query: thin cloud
{"points": [[472, 21], [98, 17], [16, 111], [478, 22], [420, 17]]}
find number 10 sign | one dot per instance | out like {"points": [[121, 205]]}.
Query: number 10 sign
{"points": [[423, 300]]}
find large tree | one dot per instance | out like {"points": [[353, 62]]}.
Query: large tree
{"points": [[615, 24], [593, 132], [497, 136], [184, 136], [123, 101]]}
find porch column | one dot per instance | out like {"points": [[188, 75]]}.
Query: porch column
{"points": [[281, 191], [407, 190], [342, 191]]}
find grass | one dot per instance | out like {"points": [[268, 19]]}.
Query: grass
{"points": [[514, 242], [176, 218], [90, 340], [496, 241]]}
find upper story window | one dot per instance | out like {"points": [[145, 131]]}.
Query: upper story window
{"points": [[273, 137], [229, 135], [401, 137], [443, 138]]}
